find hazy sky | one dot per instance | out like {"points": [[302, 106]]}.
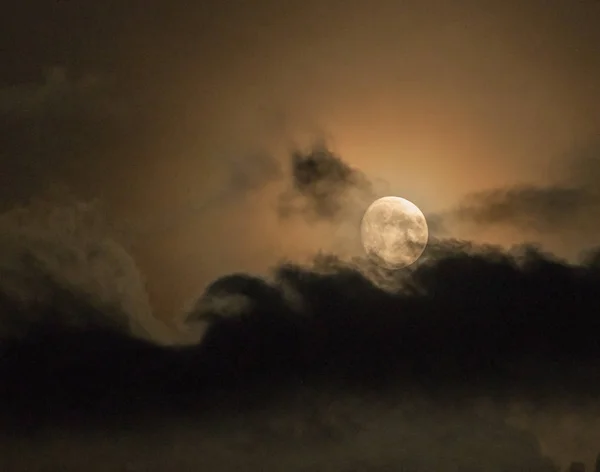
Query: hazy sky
{"points": [[151, 105], [145, 146]]}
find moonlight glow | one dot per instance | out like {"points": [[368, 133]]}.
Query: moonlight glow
{"points": [[394, 232]]}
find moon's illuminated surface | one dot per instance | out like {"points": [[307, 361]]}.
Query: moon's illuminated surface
{"points": [[394, 232]]}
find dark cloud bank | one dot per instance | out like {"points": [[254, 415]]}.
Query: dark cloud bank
{"points": [[314, 368]]}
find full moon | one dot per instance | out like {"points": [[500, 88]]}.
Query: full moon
{"points": [[394, 232]]}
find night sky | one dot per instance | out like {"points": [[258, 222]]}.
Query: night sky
{"points": [[181, 188]]}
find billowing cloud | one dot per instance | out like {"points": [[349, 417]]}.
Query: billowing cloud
{"points": [[529, 317], [62, 264], [323, 186]]}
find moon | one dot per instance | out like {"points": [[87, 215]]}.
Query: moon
{"points": [[394, 232]]}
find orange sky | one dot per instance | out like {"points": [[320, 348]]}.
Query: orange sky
{"points": [[437, 98]]}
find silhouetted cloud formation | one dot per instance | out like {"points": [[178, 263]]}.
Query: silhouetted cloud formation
{"points": [[61, 263], [519, 306], [571, 205], [530, 207], [466, 321], [323, 186]]}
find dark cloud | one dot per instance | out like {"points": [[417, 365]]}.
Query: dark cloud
{"points": [[356, 367], [323, 186], [570, 206], [504, 300], [529, 317], [311, 430], [539, 208], [356, 328], [66, 280], [61, 262]]}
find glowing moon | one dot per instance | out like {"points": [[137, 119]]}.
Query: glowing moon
{"points": [[394, 232]]}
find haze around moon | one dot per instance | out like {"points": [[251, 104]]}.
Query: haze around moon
{"points": [[394, 232]]}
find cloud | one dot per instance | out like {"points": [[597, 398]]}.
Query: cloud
{"points": [[568, 207], [323, 186], [233, 295], [311, 429], [467, 322], [61, 263], [554, 208], [504, 300]]}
